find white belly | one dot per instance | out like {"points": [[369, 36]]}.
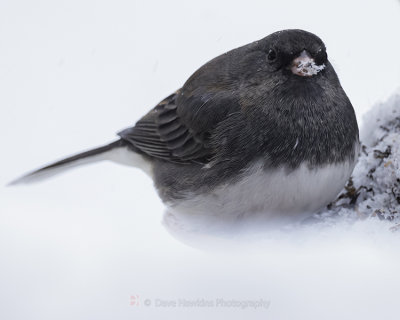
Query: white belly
{"points": [[274, 195]]}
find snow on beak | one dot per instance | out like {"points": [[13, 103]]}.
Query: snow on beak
{"points": [[304, 65]]}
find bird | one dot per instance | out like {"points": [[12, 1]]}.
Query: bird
{"points": [[265, 129]]}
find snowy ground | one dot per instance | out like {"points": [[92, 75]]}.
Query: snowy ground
{"points": [[83, 245]]}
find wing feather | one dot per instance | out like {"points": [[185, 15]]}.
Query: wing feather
{"points": [[162, 134], [180, 127]]}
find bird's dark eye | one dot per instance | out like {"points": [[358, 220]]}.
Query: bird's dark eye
{"points": [[271, 55]]}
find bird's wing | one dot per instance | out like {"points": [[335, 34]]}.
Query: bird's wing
{"points": [[177, 129]]}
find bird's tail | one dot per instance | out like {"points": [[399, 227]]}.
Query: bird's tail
{"points": [[115, 151]]}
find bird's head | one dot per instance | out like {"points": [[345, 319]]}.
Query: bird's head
{"points": [[298, 52], [287, 59]]}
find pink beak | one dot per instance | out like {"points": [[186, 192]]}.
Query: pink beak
{"points": [[304, 65]]}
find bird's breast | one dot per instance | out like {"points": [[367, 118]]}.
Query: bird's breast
{"points": [[274, 194]]}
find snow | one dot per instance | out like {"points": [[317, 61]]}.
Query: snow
{"points": [[305, 66], [374, 191], [80, 245]]}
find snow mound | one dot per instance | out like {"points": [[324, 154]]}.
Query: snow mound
{"points": [[374, 188]]}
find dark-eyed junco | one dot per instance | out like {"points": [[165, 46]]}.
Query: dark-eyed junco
{"points": [[265, 128]]}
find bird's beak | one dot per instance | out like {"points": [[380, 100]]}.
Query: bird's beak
{"points": [[304, 65]]}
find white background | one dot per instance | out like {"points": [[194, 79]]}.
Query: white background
{"points": [[72, 73]]}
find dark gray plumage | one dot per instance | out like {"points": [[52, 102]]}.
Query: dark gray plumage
{"points": [[259, 103]]}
